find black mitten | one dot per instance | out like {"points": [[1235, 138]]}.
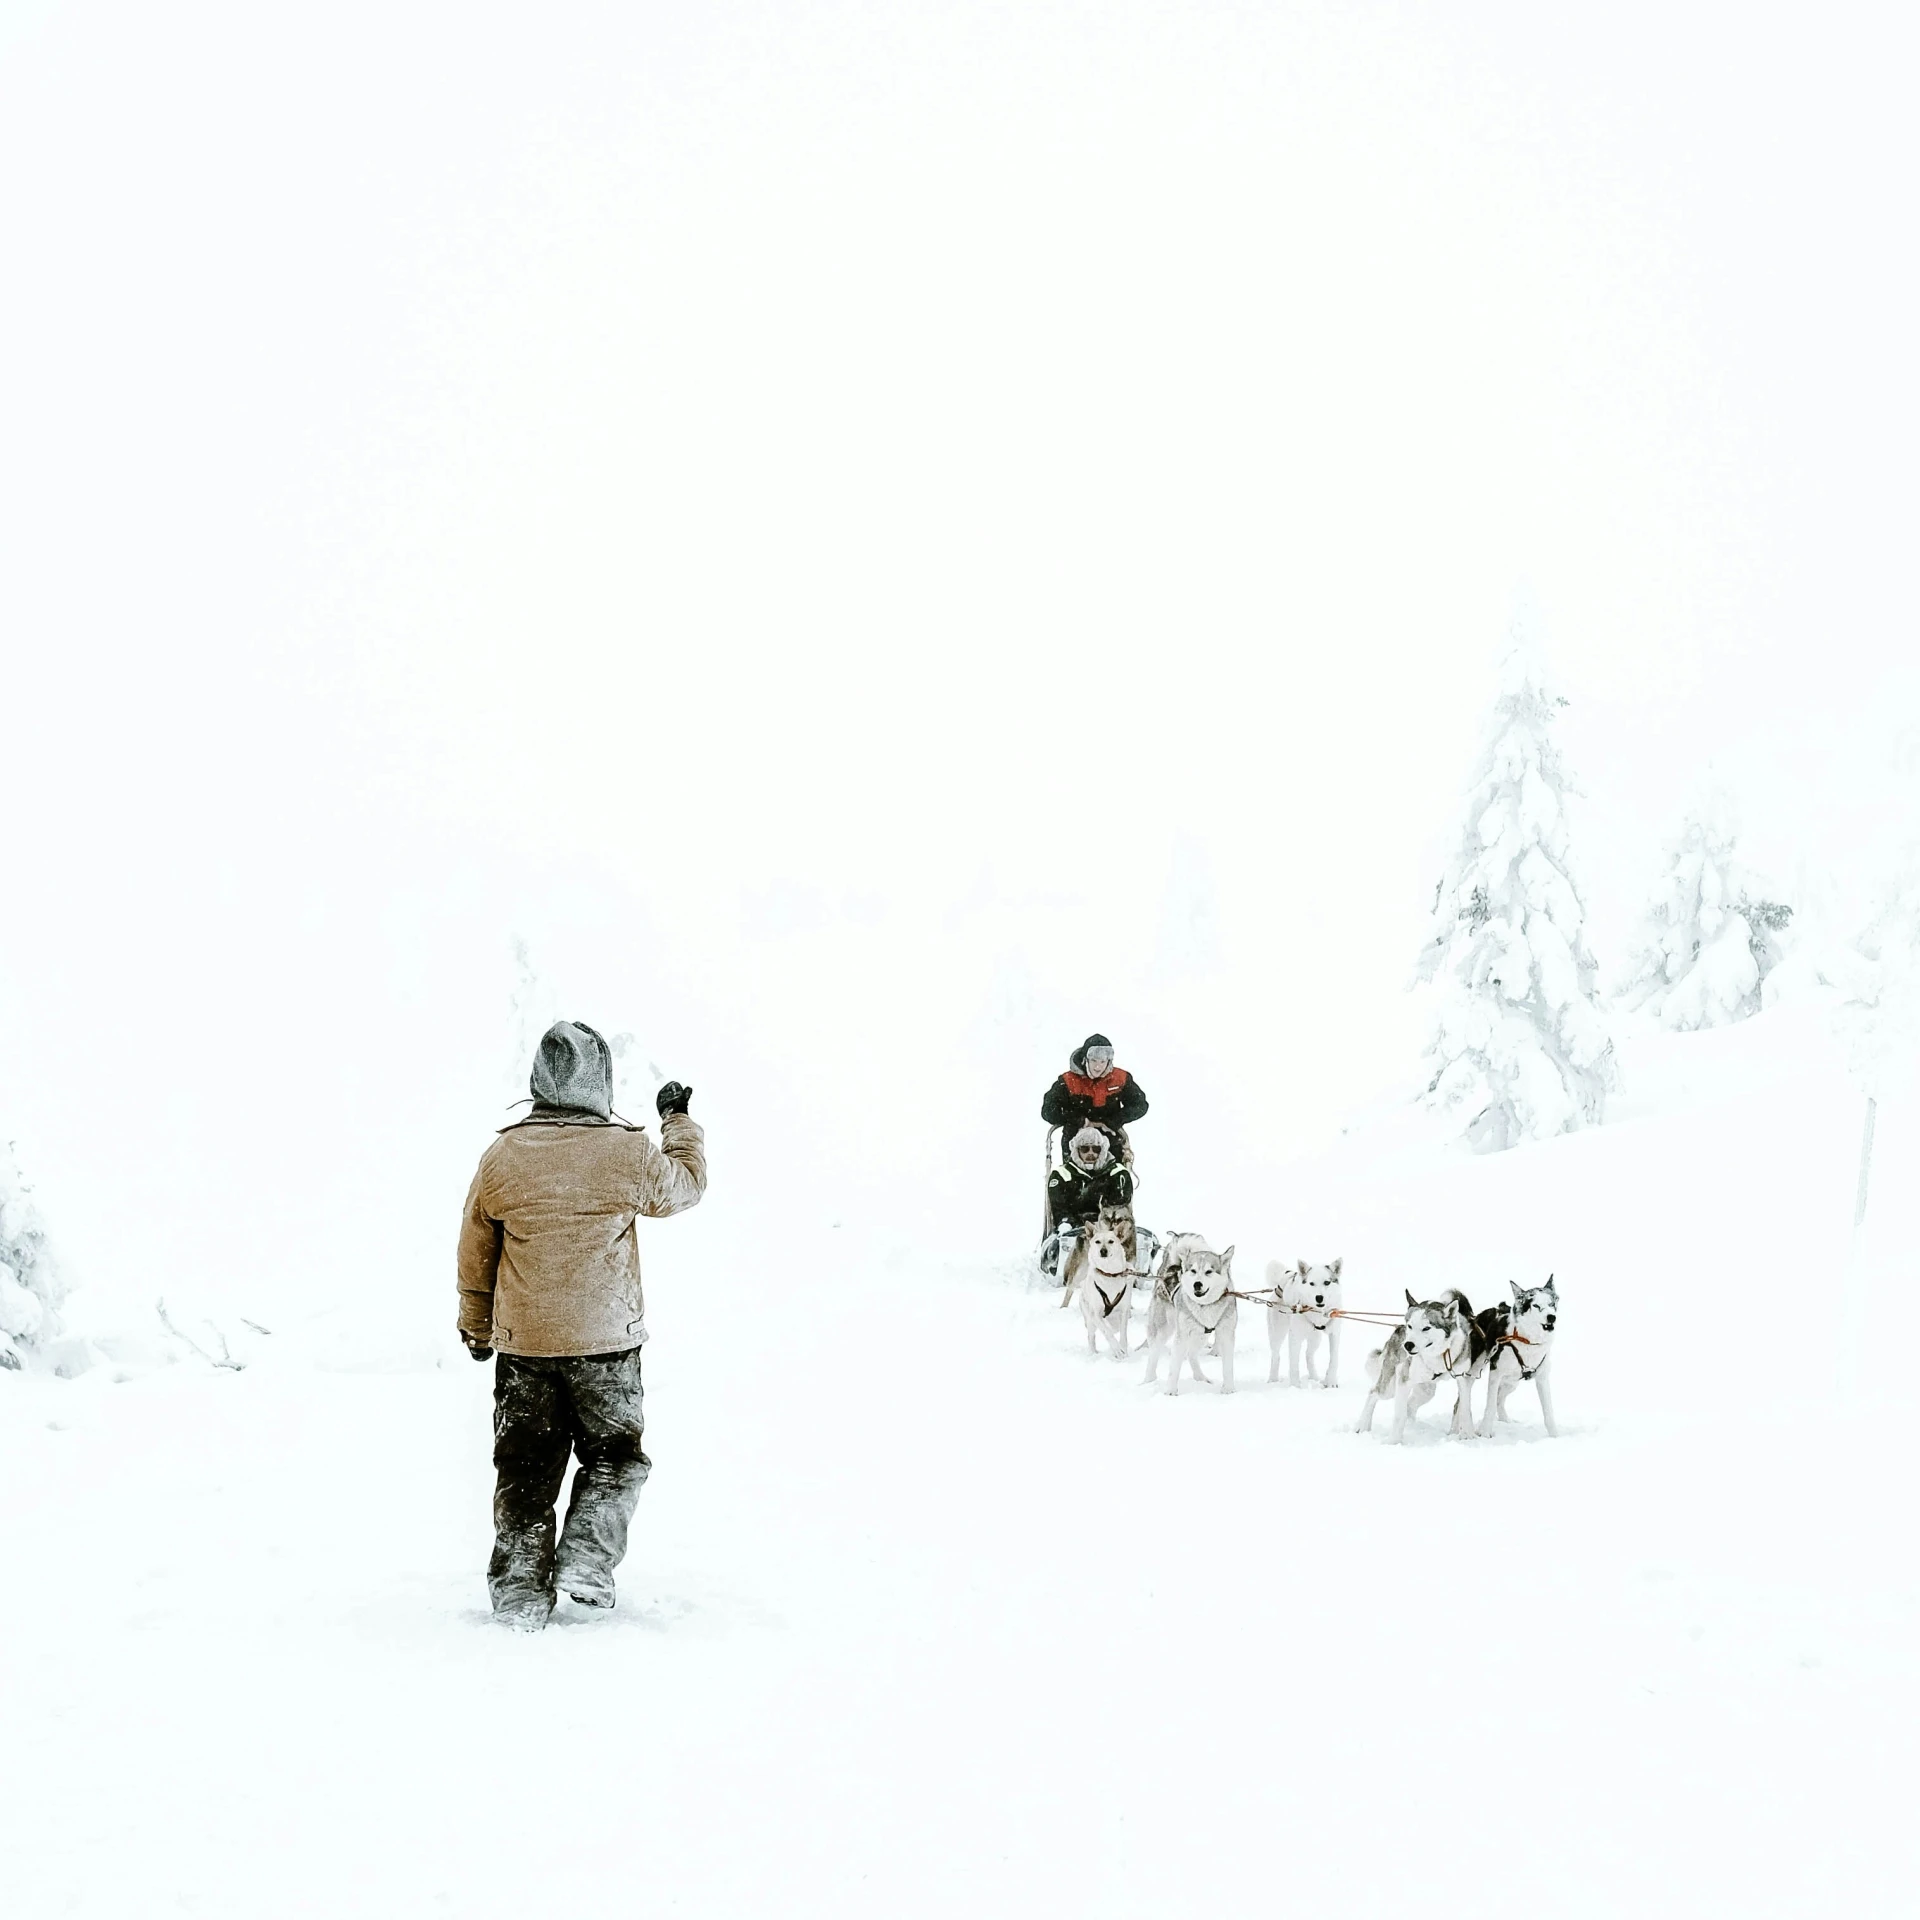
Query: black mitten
{"points": [[672, 1098], [476, 1347]]}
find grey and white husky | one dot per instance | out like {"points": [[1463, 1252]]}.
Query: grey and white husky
{"points": [[1306, 1300], [1193, 1299], [1524, 1351], [1101, 1272], [1439, 1340]]}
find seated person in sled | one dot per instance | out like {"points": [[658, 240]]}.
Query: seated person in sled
{"points": [[1093, 1088], [1090, 1176], [1091, 1179]]}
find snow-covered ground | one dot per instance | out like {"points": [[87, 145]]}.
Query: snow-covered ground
{"points": [[928, 1612]]}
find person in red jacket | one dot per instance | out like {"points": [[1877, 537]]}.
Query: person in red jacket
{"points": [[1093, 1088]]}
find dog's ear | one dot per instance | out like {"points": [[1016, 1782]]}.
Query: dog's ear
{"points": [[1334, 1269], [1300, 1267], [1411, 1301], [1226, 1261], [1517, 1290], [1550, 1290]]}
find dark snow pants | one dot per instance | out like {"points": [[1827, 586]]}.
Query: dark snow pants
{"points": [[544, 1410]]}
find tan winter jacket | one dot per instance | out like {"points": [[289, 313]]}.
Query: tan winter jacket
{"points": [[549, 1262]]}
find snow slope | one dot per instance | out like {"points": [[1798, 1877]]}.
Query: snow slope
{"points": [[930, 1613]]}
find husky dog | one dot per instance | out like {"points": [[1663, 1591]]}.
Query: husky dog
{"points": [[1523, 1351], [1073, 1241], [1166, 1273], [1101, 1271], [1193, 1298], [1305, 1302], [1439, 1340]]}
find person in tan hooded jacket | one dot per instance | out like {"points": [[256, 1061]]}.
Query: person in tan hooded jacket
{"points": [[549, 1279]]}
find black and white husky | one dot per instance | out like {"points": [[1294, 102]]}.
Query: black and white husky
{"points": [[1193, 1299], [1523, 1351], [1306, 1299], [1102, 1271], [1439, 1340]]}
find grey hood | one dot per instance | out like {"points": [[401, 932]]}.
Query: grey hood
{"points": [[573, 1070]]}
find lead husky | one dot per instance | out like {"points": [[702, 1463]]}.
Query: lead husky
{"points": [[1524, 1351], [1102, 1271], [1193, 1298], [1306, 1299], [1439, 1340]]}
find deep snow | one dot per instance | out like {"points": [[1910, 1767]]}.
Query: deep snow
{"points": [[930, 1613]]}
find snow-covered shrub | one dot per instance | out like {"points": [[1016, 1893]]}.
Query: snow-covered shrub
{"points": [[1710, 937], [1520, 1048], [30, 1286]]}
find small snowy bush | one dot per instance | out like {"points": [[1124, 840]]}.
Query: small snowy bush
{"points": [[1710, 937], [30, 1286], [1520, 1048]]}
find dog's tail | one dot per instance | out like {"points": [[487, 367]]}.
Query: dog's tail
{"points": [[1384, 1363]]}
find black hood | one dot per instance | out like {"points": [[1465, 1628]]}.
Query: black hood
{"points": [[1079, 1055]]}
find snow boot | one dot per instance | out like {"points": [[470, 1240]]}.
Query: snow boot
{"points": [[525, 1613], [587, 1586]]}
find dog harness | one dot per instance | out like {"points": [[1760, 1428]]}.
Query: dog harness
{"points": [[1448, 1370], [1193, 1314], [1107, 1306], [1511, 1339]]}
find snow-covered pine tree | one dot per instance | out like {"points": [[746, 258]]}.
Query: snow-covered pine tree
{"points": [[1710, 936], [1879, 978], [531, 1009], [1520, 1048], [30, 1286], [1878, 1018]]}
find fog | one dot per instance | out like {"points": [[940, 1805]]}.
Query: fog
{"points": [[875, 539]]}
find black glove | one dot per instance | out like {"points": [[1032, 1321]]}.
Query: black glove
{"points": [[672, 1098], [475, 1346]]}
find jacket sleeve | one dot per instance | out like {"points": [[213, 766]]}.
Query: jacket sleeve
{"points": [[1133, 1103], [1059, 1106], [676, 1176], [479, 1262]]}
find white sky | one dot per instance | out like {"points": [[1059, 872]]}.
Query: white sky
{"points": [[851, 526]]}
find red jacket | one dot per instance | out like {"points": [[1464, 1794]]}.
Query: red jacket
{"points": [[1115, 1101]]}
